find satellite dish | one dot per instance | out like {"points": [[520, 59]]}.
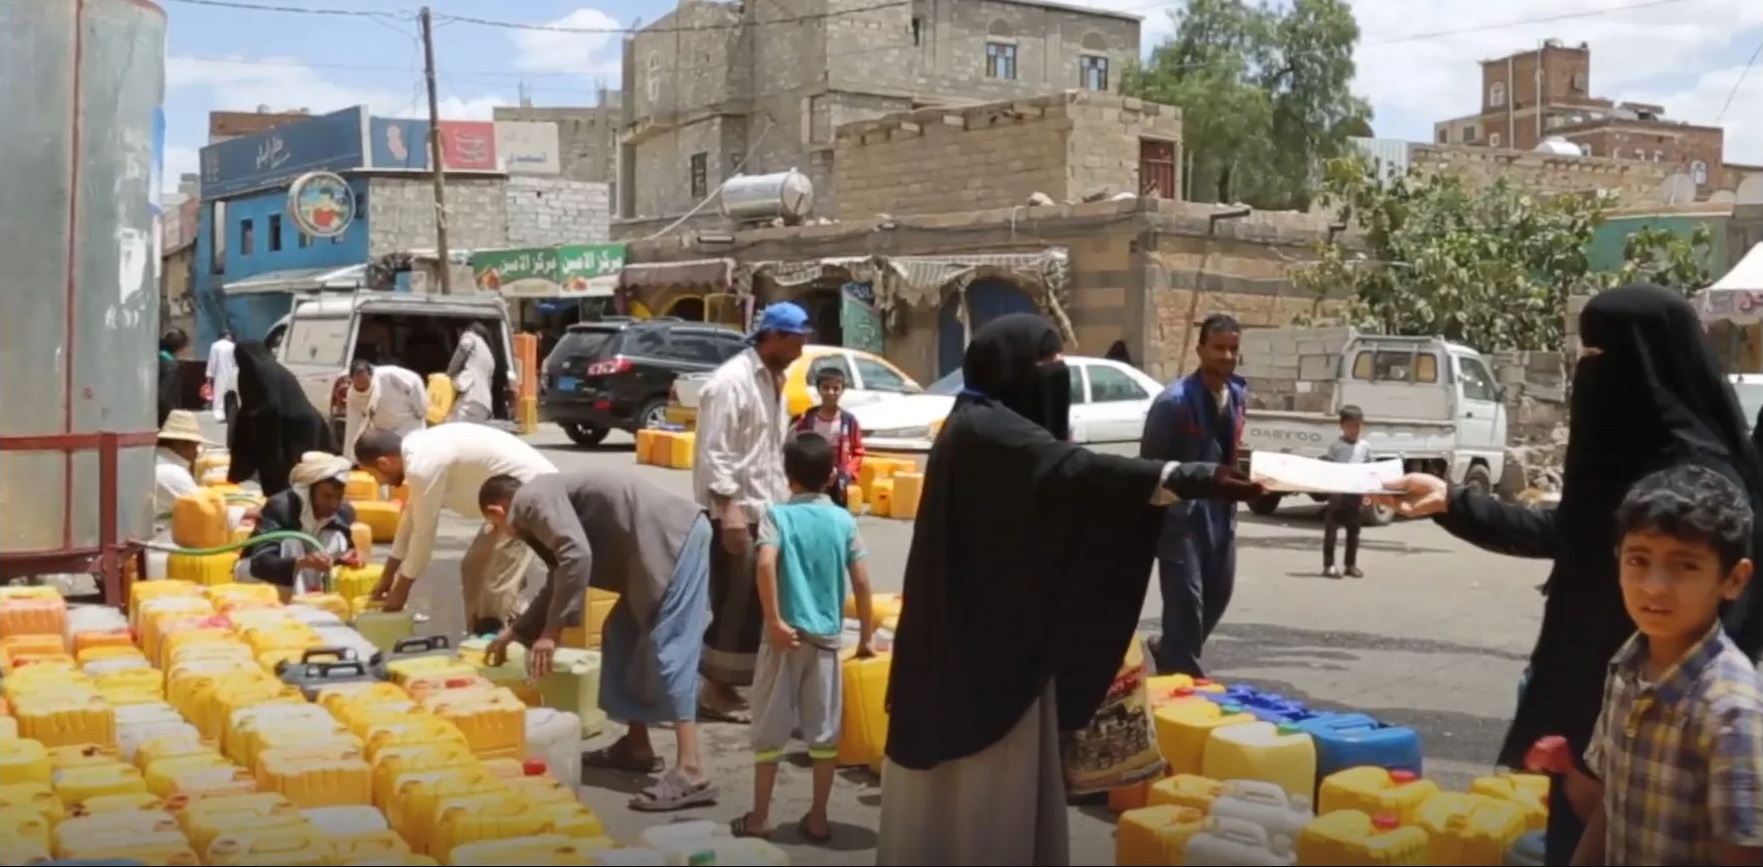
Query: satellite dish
{"points": [[1722, 197], [1750, 191], [1678, 189], [1559, 146]]}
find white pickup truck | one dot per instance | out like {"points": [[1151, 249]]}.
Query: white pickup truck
{"points": [[1429, 402]]}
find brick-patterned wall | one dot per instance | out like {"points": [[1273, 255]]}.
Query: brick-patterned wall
{"points": [[1635, 182], [932, 161], [586, 136], [401, 214], [546, 211]]}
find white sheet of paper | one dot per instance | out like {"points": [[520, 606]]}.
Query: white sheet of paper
{"points": [[1300, 475]]}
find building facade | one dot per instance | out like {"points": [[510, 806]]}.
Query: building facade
{"points": [[250, 256], [715, 89], [586, 139], [1533, 95]]}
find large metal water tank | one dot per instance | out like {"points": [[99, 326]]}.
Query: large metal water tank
{"points": [[789, 195], [81, 88]]}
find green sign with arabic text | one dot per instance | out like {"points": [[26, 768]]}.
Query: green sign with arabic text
{"points": [[565, 271]]}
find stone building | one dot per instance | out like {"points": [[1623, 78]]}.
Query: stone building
{"points": [[1546, 92], [714, 89], [1068, 146], [1142, 270]]}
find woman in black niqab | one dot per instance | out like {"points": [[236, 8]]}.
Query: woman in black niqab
{"points": [[1647, 394], [1029, 562], [275, 424]]}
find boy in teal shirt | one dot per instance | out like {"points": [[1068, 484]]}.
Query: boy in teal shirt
{"points": [[806, 546]]}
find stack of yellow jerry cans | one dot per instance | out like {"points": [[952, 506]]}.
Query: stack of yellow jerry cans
{"points": [[207, 726], [668, 449], [1255, 778]]}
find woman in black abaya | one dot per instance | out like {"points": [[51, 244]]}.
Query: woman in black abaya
{"points": [[275, 424], [1647, 394], [1029, 562]]}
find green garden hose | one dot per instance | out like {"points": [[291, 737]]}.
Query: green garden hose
{"points": [[311, 542]]}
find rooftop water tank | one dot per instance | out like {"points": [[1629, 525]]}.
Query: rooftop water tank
{"points": [[81, 153], [753, 198]]}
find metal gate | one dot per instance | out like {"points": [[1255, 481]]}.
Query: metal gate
{"points": [[986, 300]]}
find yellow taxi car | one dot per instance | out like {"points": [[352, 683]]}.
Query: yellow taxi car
{"points": [[868, 379]]}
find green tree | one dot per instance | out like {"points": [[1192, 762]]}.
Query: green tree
{"points": [[1490, 266], [1663, 257], [1265, 93]]}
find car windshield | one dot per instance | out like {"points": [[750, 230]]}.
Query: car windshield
{"points": [[950, 384], [580, 343]]}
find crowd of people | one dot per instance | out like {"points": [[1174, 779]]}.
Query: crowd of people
{"points": [[1029, 562]]}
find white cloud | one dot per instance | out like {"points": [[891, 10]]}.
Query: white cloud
{"points": [[589, 54], [286, 84], [1659, 54]]}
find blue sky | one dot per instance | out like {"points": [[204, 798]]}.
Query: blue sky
{"points": [[1416, 60]]}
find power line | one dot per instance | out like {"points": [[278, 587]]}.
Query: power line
{"points": [[545, 28], [1525, 22], [1733, 94], [294, 10]]}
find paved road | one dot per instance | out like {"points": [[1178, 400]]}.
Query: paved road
{"points": [[1434, 637]]}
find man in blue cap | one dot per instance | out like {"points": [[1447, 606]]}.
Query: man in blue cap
{"points": [[737, 472]]}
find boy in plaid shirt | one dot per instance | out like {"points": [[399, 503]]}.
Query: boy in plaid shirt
{"points": [[1679, 745]]}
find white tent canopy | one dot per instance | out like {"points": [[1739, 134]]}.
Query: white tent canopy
{"points": [[1738, 296]]}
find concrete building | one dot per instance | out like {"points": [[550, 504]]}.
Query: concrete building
{"points": [[1547, 92], [249, 256], [714, 89]]}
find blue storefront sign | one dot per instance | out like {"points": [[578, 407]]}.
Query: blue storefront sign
{"points": [[328, 143], [398, 144]]}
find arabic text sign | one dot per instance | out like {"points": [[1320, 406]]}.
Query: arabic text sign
{"points": [[529, 147], [549, 272], [402, 145], [328, 143]]}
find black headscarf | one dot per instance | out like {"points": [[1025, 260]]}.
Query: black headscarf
{"points": [[1029, 562], [1653, 396], [275, 423]]}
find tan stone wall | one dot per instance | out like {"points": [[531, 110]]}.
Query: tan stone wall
{"points": [[1635, 182], [937, 161]]}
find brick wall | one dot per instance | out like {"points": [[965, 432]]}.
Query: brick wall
{"points": [[587, 137], [546, 211], [1635, 182], [401, 214], [940, 160]]}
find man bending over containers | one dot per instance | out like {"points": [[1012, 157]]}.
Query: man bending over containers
{"points": [[445, 466]]}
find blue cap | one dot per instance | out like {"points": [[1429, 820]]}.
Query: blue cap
{"points": [[783, 317]]}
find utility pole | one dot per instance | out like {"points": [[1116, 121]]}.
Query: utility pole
{"points": [[436, 169]]}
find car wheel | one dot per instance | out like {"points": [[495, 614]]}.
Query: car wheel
{"points": [[653, 414], [1264, 506], [1377, 516], [582, 435]]}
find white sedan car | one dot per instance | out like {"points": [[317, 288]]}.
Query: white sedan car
{"points": [[1109, 401]]}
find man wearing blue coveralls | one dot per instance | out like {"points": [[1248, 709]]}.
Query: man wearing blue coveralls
{"points": [[1198, 418]]}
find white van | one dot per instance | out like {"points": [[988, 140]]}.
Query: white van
{"points": [[325, 334]]}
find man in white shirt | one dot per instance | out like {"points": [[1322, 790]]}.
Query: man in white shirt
{"points": [[383, 397], [473, 370], [223, 377], [737, 473], [445, 466]]}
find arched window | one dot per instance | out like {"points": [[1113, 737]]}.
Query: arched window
{"points": [[1699, 173], [652, 79], [1497, 94]]}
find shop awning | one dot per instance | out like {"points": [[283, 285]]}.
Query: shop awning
{"points": [[1738, 296], [921, 279], [693, 272], [790, 275], [346, 278]]}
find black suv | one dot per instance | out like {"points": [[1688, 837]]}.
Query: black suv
{"points": [[616, 373]]}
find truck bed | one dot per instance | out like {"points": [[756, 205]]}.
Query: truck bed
{"points": [[1309, 434]]}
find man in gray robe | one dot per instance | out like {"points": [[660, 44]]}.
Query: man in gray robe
{"points": [[614, 530]]}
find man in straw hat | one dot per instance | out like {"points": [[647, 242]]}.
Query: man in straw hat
{"points": [[180, 441]]}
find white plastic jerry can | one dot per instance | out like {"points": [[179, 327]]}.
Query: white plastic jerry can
{"points": [[1231, 842]]}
